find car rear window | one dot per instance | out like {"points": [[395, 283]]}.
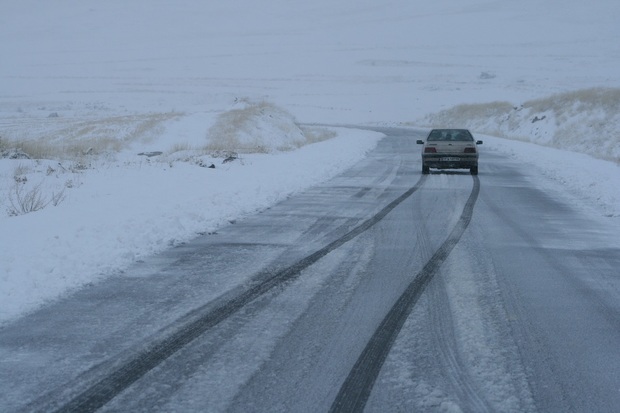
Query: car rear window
{"points": [[450, 135]]}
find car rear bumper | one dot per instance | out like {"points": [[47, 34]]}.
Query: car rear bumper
{"points": [[444, 161]]}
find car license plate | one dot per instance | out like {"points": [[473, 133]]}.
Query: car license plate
{"points": [[450, 159]]}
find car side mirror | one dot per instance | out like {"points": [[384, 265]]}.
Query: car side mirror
{"points": [[419, 142], [478, 142]]}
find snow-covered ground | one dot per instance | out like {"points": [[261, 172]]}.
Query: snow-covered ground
{"points": [[88, 85]]}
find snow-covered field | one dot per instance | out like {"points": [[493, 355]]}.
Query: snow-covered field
{"points": [[87, 86]]}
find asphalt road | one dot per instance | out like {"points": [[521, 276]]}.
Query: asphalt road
{"points": [[382, 290]]}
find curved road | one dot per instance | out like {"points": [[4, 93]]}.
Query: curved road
{"points": [[379, 290]]}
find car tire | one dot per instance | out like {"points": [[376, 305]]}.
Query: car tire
{"points": [[474, 170], [426, 170]]}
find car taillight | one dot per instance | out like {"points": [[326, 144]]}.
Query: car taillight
{"points": [[470, 150], [430, 150]]}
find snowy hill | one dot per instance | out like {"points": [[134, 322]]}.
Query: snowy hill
{"points": [[584, 121]]}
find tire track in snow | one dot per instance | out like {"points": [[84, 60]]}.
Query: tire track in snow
{"points": [[356, 389], [446, 342], [97, 394]]}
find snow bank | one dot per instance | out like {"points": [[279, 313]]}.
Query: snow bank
{"points": [[585, 121], [117, 208], [592, 182], [236, 130]]}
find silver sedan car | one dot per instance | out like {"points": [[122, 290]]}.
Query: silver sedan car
{"points": [[450, 149]]}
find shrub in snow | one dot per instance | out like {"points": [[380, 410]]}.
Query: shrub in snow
{"points": [[14, 153], [23, 200], [255, 128], [317, 134], [66, 138], [24, 196]]}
